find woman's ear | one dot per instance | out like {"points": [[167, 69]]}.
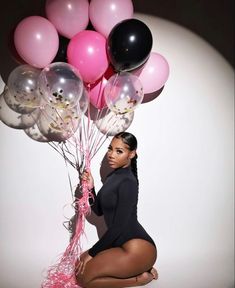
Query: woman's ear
{"points": [[132, 154]]}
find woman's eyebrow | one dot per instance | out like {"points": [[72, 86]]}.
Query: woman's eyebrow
{"points": [[117, 148]]}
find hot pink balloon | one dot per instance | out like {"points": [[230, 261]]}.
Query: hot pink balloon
{"points": [[36, 40], [87, 52], [96, 93], [68, 16], [154, 74], [105, 14]]}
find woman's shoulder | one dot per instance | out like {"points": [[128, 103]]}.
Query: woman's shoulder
{"points": [[122, 176], [128, 179]]}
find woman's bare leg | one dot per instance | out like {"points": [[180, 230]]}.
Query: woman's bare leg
{"points": [[139, 280], [111, 282], [120, 267]]}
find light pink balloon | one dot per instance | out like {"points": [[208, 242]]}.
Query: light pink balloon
{"points": [[154, 74], [96, 92], [105, 14], [36, 40], [68, 16], [87, 52]]}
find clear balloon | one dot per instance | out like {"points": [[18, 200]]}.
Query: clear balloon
{"points": [[123, 93], [105, 14], [83, 101], [69, 17], [14, 104], [60, 84], [34, 133], [154, 74], [110, 123], [36, 40], [59, 124], [87, 52], [22, 84], [14, 119]]}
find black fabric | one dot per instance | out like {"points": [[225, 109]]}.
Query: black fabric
{"points": [[117, 201]]}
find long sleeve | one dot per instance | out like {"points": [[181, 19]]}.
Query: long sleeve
{"points": [[95, 203], [126, 203]]}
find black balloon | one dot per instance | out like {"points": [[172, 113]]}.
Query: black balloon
{"points": [[129, 44]]}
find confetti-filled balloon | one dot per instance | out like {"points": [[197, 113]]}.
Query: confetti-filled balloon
{"points": [[14, 104], [60, 84], [23, 85], [14, 119], [110, 123], [34, 133], [123, 93], [58, 124]]}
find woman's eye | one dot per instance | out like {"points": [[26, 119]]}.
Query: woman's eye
{"points": [[119, 151]]}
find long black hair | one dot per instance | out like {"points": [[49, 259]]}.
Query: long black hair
{"points": [[131, 141]]}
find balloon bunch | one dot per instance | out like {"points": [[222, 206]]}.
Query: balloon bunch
{"points": [[78, 86]]}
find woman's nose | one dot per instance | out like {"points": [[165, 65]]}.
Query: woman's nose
{"points": [[110, 155]]}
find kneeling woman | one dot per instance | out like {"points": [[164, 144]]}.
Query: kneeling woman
{"points": [[125, 255]]}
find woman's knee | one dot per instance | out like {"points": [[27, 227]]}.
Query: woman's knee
{"points": [[92, 270], [109, 262]]}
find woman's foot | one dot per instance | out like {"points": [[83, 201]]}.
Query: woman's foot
{"points": [[144, 278], [153, 271]]}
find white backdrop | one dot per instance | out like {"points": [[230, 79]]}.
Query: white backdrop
{"points": [[186, 177]]}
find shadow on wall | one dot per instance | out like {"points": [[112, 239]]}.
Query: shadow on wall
{"points": [[151, 96]]}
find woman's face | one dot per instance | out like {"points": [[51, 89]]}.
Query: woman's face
{"points": [[118, 154]]}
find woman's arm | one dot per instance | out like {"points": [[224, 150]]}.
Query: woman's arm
{"points": [[94, 200]]}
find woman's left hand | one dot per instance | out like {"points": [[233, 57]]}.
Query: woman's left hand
{"points": [[84, 258]]}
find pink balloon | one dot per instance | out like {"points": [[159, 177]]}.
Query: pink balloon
{"points": [[68, 16], [105, 14], [96, 93], [87, 52], [154, 74], [36, 40]]}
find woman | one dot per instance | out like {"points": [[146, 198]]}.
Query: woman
{"points": [[125, 254]]}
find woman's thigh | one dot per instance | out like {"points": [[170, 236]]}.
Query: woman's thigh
{"points": [[135, 257]]}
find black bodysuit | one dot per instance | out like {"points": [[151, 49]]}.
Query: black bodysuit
{"points": [[117, 201]]}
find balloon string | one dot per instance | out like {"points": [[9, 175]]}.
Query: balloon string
{"points": [[86, 143], [63, 273], [69, 178]]}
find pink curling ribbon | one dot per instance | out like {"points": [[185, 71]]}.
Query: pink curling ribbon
{"points": [[62, 275]]}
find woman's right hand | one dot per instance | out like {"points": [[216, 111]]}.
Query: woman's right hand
{"points": [[87, 177]]}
